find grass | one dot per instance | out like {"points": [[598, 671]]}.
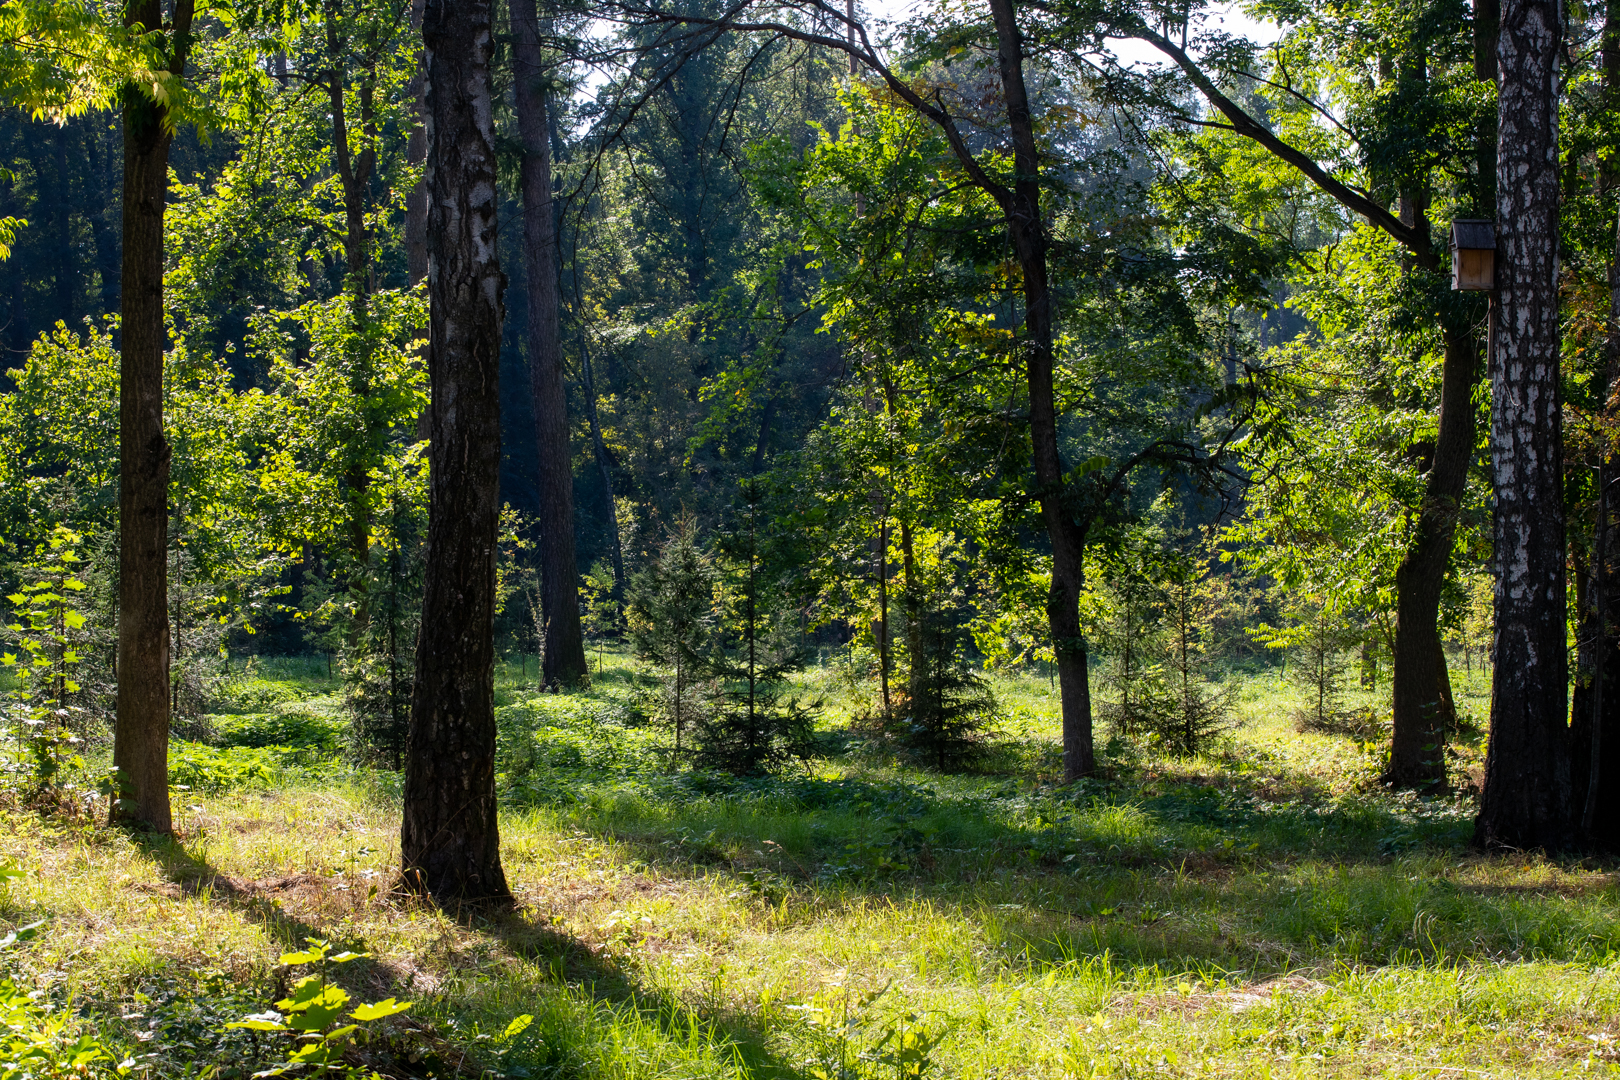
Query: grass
{"points": [[1264, 910]]}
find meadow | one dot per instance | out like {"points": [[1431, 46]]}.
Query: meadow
{"points": [[1263, 910]]}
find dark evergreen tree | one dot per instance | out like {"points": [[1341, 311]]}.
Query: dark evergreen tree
{"points": [[671, 615]]}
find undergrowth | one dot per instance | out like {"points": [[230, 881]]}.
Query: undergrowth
{"points": [[1262, 909]]}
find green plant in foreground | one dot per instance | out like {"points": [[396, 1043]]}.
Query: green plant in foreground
{"points": [[35, 1042], [310, 1015]]}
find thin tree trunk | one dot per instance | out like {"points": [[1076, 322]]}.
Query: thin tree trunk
{"points": [[449, 839], [559, 575], [1527, 798], [354, 173], [416, 254], [1595, 727], [917, 668], [1023, 209], [141, 739], [1422, 711]]}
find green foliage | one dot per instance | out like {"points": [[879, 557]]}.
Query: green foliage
{"points": [[202, 768], [45, 629], [311, 1016], [600, 610], [671, 618], [945, 717], [38, 1042], [1318, 640], [59, 436]]}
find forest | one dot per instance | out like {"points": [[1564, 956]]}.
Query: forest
{"points": [[790, 539]]}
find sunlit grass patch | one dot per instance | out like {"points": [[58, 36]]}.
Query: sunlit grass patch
{"points": [[1260, 908]]}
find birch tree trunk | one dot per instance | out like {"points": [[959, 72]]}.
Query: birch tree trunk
{"points": [[1527, 797], [449, 840]]}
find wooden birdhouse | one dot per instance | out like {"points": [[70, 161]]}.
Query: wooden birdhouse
{"points": [[1473, 256]]}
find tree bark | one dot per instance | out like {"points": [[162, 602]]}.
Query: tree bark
{"points": [[1527, 797], [141, 737], [1422, 707], [564, 660], [1023, 209], [450, 840]]}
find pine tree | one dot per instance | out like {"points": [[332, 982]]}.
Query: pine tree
{"points": [[756, 727], [1189, 711], [671, 609]]}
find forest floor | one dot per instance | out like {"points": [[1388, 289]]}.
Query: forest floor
{"points": [[1265, 910]]}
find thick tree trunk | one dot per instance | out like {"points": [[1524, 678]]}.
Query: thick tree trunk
{"points": [[1023, 209], [141, 737], [1527, 796], [1422, 705], [559, 575], [450, 841]]}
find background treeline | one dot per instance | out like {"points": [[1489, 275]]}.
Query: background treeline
{"points": [[1151, 371]]}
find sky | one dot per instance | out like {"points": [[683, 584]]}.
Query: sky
{"points": [[1229, 17], [1133, 53]]}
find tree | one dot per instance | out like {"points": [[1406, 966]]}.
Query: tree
{"points": [[450, 838], [1527, 798], [564, 660], [671, 614], [141, 744], [1398, 147], [754, 728]]}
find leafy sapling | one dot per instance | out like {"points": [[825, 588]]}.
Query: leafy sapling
{"points": [[312, 1014], [44, 630]]}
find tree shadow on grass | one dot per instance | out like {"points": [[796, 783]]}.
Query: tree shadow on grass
{"points": [[190, 874], [564, 959], [729, 1033]]}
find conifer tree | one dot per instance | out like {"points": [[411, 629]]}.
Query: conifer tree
{"points": [[671, 609]]}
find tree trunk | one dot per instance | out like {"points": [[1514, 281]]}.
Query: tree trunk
{"points": [[917, 661], [450, 840], [354, 173], [141, 738], [1422, 712], [1023, 210], [1527, 797], [416, 256], [559, 575]]}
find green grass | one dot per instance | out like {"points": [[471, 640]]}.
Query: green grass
{"points": [[1261, 910]]}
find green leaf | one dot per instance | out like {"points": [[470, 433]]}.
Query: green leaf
{"points": [[259, 1023], [517, 1026], [380, 1009]]}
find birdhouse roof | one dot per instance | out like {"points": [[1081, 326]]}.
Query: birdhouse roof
{"points": [[1473, 235]]}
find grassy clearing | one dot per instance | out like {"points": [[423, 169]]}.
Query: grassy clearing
{"points": [[1261, 911]]}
